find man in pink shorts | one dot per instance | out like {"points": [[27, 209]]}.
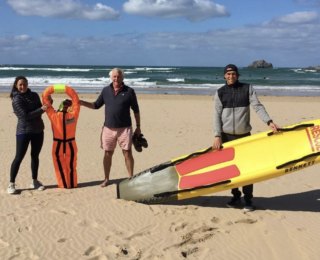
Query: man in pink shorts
{"points": [[118, 100]]}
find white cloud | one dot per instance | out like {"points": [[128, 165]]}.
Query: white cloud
{"points": [[99, 12], [63, 8], [281, 44], [22, 37], [299, 17], [277, 42], [193, 10]]}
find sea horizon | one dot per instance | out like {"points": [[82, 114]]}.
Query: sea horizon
{"points": [[282, 81]]}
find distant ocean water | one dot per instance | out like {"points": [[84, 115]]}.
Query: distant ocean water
{"points": [[164, 80]]}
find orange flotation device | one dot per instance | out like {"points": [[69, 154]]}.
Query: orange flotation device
{"points": [[64, 148]]}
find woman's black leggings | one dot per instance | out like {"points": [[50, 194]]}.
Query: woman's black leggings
{"points": [[22, 143]]}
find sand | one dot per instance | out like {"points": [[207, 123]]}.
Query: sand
{"points": [[91, 223]]}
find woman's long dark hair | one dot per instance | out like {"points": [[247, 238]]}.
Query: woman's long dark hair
{"points": [[14, 87]]}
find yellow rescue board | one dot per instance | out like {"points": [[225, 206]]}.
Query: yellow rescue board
{"points": [[244, 161]]}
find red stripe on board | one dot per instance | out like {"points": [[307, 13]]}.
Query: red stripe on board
{"points": [[310, 140], [207, 178], [205, 160]]}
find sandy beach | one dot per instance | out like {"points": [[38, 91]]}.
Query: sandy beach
{"points": [[89, 222]]}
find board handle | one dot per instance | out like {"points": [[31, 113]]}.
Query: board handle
{"points": [[298, 160], [291, 128]]}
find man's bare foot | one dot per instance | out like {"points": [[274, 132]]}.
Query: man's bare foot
{"points": [[105, 183]]}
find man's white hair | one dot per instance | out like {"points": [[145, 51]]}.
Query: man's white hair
{"points": [[116, 70]]}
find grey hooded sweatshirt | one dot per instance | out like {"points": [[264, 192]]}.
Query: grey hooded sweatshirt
{"points": [[232, 109]]}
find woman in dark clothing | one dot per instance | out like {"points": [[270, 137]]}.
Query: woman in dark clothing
{"points": [[28, 108]]}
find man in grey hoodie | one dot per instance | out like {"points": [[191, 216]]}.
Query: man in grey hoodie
{"points": [[232, 121]]}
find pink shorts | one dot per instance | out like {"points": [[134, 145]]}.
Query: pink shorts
{"points": [[110, 137]]}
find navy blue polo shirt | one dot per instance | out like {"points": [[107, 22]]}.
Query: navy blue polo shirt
{"points": [[117, 107]]}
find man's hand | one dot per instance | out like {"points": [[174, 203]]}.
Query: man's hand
{"points": [[217, 143], [274, 127]]}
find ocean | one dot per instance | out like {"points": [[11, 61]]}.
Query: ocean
{"points": [[164, 80]]}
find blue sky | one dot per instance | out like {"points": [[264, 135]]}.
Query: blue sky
{"points": [[160, 32]]}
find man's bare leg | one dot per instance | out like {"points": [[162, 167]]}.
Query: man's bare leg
{"points": [[129, 161], [107, 161]]}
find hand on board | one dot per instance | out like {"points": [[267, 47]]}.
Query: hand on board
{"points": [[217, 143]]}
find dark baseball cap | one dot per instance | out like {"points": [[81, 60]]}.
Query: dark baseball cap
{"points": [[231, 67]]}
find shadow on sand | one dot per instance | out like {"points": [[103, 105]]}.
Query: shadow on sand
{"points": [[89, 184], [304, 201]]}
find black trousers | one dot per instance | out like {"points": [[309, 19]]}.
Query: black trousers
{"points": [[248, 189], [22, 143]]}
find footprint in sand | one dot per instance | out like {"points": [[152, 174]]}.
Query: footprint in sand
{"points": [[246, 221], [174, 227], [195, 236], [128, 252], [215, 220], [119, 244], [61, 240], [120, 251], [92, 251], [192, 238], [198, 235], [22, 229], [190, 251]]}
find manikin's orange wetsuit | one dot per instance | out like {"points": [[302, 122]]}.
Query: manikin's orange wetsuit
{"points": [[64, 149]]}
